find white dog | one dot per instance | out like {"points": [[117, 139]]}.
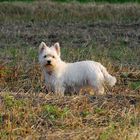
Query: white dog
{"points": [[60, 76]]}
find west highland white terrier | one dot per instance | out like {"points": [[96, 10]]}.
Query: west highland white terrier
{"points": [[60, 76]]}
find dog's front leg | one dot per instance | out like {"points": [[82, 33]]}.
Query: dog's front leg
{"points": [[49, 89], [59, 89]]}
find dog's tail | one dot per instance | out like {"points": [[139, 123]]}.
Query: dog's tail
{"points": [[110, 80]]}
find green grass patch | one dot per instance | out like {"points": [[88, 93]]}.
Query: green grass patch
{"points": [[107, 134], [11, 102], [4, 134], [53, 112], [84, 113], [135, 85], [99, 110]]}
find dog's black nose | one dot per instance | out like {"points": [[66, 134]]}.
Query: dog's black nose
{"points": [[49, 61]]}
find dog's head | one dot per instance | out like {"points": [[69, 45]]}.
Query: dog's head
{"points": [[49, 57]]}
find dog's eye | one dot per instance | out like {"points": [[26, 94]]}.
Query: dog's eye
{"points": [[45, 56], [53, 56]]}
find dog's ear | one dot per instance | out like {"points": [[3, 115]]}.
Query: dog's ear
{"points": [[57, 48], [42, 46]]}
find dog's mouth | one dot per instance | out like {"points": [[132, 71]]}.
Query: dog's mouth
{"points": [[49, 66]]}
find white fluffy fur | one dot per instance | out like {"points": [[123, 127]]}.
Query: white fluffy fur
{"points": [[60, 76]]}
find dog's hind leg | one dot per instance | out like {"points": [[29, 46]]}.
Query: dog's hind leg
{"points": [[98, 90]]}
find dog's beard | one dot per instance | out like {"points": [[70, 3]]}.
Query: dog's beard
{"points": [[49, 68]]}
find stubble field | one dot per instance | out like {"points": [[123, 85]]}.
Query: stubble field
{"points": [[108, 33]]}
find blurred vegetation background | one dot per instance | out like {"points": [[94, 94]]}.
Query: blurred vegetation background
{"points": [[82, 1]]}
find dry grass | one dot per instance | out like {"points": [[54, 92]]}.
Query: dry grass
{"points": [[35, 116], [105, 33]]}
